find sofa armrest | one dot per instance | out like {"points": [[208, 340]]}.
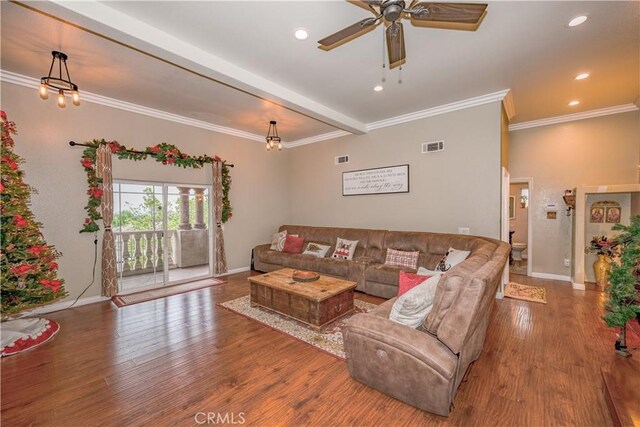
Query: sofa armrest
{"points": [[376, 326]]}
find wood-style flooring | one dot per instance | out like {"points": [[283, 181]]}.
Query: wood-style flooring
{"points": [[165, 361]]}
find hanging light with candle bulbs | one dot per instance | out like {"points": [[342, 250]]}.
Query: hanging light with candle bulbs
{"points": [[61, 83], [273, 140]]}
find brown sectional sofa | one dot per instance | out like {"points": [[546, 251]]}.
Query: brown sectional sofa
{"points": [[424, 366]]}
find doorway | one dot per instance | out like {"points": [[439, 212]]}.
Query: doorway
{"points": [[520, 226], [162, 234]]}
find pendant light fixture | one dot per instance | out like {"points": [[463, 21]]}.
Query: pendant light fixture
{"points": [[273, 140], [59, 84]]}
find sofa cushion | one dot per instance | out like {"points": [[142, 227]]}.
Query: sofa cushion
{"points": [[330, 266], [402, 258], [344, 248], [277, 240], [382, 273], [317, 250], [293, 244], [408, 281], [412, 308]]}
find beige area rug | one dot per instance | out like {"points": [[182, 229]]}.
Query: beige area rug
{"points": [[329, 340], [138, 297], [526, 292]]}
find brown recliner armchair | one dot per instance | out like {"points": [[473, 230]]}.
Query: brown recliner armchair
{"points": [[424, 367]]}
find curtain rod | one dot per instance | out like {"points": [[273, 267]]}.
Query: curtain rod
{"points": [[73, 144]]}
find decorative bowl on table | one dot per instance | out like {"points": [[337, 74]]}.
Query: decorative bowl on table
{"points": [[305, 276]]}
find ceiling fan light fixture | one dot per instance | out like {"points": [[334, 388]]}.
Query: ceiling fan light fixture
{"points": [[574, 103], [581, 76], [301, 33], [378, 88], [578, 20]]}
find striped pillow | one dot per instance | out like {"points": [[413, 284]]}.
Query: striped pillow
{"points": [[402, 259]]}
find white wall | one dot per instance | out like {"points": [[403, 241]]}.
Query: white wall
{"points": [[598, 151], [457, 187], [258, 195]]}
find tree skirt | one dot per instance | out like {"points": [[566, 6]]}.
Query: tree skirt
{"points": [[25, 334], [329, 340], [526, 292]]}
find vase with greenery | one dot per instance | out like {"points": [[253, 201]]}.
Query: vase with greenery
{"points": [[624, 291], [606, 251]]}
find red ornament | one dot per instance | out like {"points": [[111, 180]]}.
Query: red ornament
{"points": [[164, 162], [19, 221]]}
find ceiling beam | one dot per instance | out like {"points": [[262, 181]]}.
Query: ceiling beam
{"points": [[122, 28]]}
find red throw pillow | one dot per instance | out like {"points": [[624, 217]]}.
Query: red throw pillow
{"points": [[293, 244], [408, 281]]}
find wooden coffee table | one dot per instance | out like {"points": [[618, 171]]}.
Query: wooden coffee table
{"points": [[314, 303]]}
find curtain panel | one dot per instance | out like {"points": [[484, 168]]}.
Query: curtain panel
{"points": [[220, 266], [103, 171]]}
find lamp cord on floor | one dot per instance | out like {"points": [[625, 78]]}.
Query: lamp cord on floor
{"points": [[93, 273]]}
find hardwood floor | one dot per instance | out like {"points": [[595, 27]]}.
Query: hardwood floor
{"points": [[164, 361]]}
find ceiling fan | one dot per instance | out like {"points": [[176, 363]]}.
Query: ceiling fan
{"points": [[466, 16]]}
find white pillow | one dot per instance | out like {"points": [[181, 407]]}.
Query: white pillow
{"points": [[452, 258], [412, 307], [426, 272], [277, 241], [344, 249], [316, 249]]}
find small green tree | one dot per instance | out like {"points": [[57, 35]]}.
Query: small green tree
{"points": [[624, 291]]}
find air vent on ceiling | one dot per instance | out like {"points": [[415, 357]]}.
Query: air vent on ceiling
{"points": [[432, 147], [342, 159]]}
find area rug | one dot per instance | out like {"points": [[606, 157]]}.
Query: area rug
{"points": [[526, 292], [329, 340], [24, 334], [138, 297]]}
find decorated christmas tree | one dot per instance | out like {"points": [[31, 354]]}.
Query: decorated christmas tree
{"points": [[27, 264]]}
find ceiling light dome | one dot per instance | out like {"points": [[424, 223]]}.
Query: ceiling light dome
{"points": [[378, 88], [301, 33], [574, 103], [578, 20], [581, 76]]}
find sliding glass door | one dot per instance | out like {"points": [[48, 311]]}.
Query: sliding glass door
{"points": [[162, 233]]}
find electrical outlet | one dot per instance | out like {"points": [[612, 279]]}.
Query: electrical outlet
{"points": [[567, 262], [464, 230]]}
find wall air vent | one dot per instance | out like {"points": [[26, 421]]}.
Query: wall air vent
{"points": [[342, 159], [432, 147]]}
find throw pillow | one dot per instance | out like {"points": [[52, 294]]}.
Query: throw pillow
{"points": [[452, 258], [413, 307], [293, 244], [277, 241], [402, 258], [316, 249], [344, 249], [408, 281]]}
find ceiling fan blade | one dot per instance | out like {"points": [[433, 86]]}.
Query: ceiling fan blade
{"points": [[345, 33], [395, 44], [465, 13]]}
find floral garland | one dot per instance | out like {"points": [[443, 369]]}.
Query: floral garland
{"points": [[167, 154]]}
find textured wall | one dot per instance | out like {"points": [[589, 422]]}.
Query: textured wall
{"points": [[459, 186]]}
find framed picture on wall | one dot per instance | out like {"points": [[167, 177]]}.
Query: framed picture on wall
{"points": [[613, 214], [597, 214], [512, 207]]}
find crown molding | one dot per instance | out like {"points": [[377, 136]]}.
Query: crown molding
{"points": [[442, 109], [30, 82], [573, 117], [317, 138]]}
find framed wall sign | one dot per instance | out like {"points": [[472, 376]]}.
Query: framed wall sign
{"points": [[390, 179]]}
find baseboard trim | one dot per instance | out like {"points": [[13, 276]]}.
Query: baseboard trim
{"points": [[578, 286], [234, 271], [551, 276], [64, 305]]}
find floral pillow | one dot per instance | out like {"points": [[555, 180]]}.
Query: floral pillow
{"points": [[316, 249], [344, 249], [277, 241]]}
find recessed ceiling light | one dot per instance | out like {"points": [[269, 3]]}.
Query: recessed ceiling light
{"points": [[578, 20], [574, 103], [301, 33], [378, 88], [581, 76]]}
